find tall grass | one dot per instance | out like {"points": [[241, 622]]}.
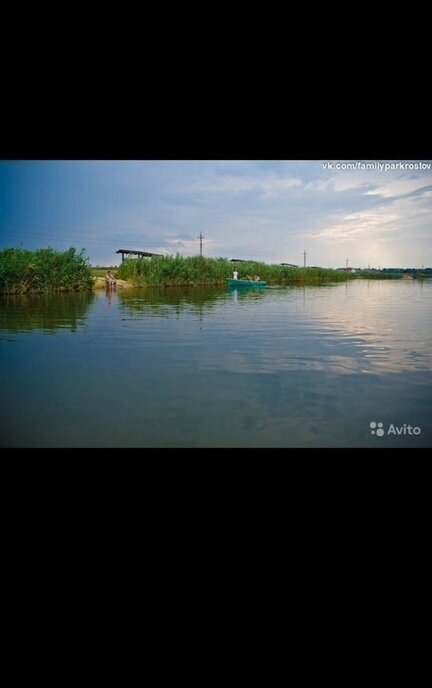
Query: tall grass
{"points": [[179, 271], [44, 270]]}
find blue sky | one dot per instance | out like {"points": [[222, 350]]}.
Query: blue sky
{"points": [[262, 210]]}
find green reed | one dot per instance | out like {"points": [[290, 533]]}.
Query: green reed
{"points": [[179, 271], [43, 270]]}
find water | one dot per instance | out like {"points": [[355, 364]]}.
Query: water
{"points": [[213, 367]]}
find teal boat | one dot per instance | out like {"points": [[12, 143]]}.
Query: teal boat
{"points": [[245, 283]]}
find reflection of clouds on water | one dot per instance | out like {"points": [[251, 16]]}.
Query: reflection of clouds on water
{"points": [[289, 367], [386, 330], [369, 328], [359, 327]]}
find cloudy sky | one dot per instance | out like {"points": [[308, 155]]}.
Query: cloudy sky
{"points": [[262, 210]]}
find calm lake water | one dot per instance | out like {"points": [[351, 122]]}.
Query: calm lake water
{"points": [[213, 367]]}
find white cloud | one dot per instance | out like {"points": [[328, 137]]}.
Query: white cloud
{"points": [[349, 227], [401, 214], [263, 209], [399, 187], [267, 184], [273, 188], [388, 184]]}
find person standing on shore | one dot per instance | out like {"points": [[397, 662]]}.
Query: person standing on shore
{"points": [[235, 274]]}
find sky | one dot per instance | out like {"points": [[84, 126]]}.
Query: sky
{"points": [[375, 213]]}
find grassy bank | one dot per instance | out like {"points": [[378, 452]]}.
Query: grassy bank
{"points": [[179, 271], [44, 270], [47, 270], [373, 274], [101, 272]]}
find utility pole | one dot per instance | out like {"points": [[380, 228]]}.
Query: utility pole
{"points": [[347, 263], [304, 259], [201, 237]]}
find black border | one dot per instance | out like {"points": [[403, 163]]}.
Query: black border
{"points": [[161, 128], [230, 147]]}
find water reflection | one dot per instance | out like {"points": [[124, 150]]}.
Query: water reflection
{"points": [[373, 328], [288, 366], [170, 301], [386, 330], [110, 293], [46, 312], [377, 327], [246, 293]]}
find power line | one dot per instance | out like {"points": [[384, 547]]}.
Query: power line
{"points": [[24, 220], [32, 229], [35, 235], [21, 236]]}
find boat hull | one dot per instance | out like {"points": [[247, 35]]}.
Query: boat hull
{"points": [[246, 283]]}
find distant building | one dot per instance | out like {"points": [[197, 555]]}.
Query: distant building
{"points": [[290, 265]]}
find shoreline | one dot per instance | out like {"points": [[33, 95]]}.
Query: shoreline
{"points": [[99, 284]]}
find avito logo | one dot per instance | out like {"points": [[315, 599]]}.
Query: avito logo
{"points": [[377, 428]]}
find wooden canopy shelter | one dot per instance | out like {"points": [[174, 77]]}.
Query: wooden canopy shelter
{"points": [[145, 254]]}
